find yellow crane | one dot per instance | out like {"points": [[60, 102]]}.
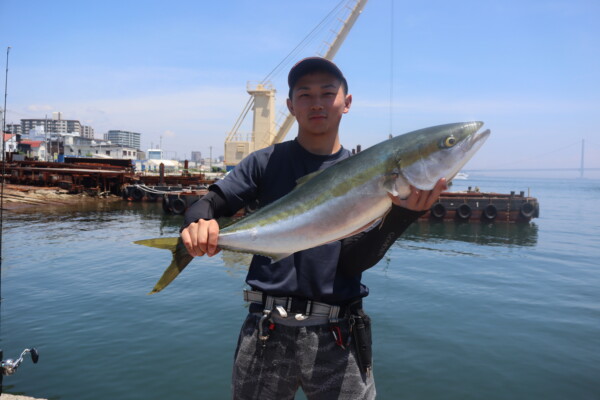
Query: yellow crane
{"points": [[265, 132]]}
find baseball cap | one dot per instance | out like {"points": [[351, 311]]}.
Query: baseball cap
{"points": [[312, 64]]}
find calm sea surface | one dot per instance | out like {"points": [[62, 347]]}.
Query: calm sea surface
{"points": [[469, 311]]}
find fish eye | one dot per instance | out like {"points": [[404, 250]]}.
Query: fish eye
{"points": [[450, 141]]}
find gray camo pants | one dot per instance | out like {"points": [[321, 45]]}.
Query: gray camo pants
{"points": [[297, 356]]}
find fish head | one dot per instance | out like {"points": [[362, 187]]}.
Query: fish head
{"points": [[429, 154]]}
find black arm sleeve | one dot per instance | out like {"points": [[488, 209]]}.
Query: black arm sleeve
{"points": [[210, 206], [362, 251]]}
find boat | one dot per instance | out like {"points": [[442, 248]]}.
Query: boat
{"points": [[473, 205]]}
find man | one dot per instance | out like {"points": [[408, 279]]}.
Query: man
{"points": [[305, 327]]}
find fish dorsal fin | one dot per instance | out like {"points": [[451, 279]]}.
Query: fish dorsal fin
{"points": [[307, 177]]}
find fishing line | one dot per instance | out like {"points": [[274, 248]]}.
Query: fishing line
{"points": [[391, 68]]}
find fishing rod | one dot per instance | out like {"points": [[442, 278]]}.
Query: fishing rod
{"points": [[8, 366]]}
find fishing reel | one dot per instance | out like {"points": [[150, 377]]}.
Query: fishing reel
{"points": [[9, 366]]}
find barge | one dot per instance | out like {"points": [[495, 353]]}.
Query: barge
{"points": [[76, 175], [467, 206], [96, 176], [472, 205]]}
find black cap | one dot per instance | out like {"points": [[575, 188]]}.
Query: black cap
{"points": [[312, 64]]}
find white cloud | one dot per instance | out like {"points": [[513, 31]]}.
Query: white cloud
{"points": [[39, 108]]}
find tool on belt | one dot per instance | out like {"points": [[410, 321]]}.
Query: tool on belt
{"points": [[360, 330], [359, 322]]}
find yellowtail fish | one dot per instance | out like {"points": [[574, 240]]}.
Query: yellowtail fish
{"points": [[338, 201]]}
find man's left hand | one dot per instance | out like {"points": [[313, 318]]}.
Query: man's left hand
{"points": [[421, 200]]}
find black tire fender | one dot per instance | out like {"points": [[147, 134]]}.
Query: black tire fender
{"points": [[527, 210], [438, 210], [490, 212], [178, 206], [165, 204], [137, 194], [463, 211]]}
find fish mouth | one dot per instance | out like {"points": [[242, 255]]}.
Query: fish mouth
{"points": [[446, 162], [469, 146], [475, 141]]}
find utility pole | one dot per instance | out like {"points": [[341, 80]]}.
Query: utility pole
{"points": [[46, 158], [4, 111], [2, 190]]}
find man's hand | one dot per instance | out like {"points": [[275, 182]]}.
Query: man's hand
{"points": [[201, 237], [421, 200]]}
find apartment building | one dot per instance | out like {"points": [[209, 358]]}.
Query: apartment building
{"points": [[124, 138]]}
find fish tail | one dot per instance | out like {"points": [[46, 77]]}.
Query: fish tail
{"points": [[181, 259]]}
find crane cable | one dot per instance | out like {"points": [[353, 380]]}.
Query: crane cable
{"points": [[302, 43]]}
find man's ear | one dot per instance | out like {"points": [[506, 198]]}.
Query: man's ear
{"points": [[348, 102], [290, 107]]}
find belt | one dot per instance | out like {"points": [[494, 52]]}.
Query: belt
{"points": [[302, 307]]}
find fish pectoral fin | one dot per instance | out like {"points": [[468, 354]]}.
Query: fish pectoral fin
{"points": [[396, 184], [403, 192]]}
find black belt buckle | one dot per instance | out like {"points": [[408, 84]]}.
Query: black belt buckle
{"points": [[299, 306]]}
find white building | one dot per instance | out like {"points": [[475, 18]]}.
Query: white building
{"points": [[10, 144], [155, 157], [100, 149], [35, 149]]}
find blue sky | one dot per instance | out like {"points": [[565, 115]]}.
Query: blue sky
{"points": [[177, 71]]}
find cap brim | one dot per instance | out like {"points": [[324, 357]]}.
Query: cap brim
{"points": [[311, 64]]}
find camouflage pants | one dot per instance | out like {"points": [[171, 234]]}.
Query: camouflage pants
{"points": [[297, 356]]}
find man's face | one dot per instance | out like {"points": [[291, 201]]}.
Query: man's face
{"points": [[318, 103]]}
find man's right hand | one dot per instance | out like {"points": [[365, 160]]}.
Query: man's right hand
{"points": [[201, 238]]}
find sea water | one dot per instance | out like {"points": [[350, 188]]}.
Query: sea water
{"points": [[460, 311]]}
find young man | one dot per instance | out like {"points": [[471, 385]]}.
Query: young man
{"points": [[305, 307]]}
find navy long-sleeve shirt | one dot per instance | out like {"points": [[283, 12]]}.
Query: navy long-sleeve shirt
{"points": [[330, 273]]}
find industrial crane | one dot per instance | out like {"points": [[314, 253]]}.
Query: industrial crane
{"points": [[262, 100]]}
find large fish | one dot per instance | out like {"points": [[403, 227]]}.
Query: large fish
{"points": [[337, 202]]}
